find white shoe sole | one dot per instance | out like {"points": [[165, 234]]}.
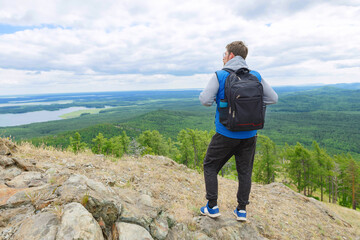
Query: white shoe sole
{"points": [[241, 219], [210, 215]]}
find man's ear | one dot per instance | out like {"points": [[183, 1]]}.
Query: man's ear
{"points": [[231, 56]]}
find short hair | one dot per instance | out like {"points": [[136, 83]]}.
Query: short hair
{"points": [[238, 48]]}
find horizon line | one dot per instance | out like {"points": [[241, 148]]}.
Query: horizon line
{"points": [[171, 89]]}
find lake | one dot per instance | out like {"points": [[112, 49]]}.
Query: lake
{"points": [[9, 120]]}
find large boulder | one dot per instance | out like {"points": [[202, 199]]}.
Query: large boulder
{"points": [[40, 226], [25, 164], [129, 231], [78, 223], [27, 179], [6, 193], [11, 216], [38, 197], [159, 228], [101, 201], [9, 173], [181, 232], [227, 228], [137, 211]]}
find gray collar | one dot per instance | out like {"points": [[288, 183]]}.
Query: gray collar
{"points": [[236, 63]]}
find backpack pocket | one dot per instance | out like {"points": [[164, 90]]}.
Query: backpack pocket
{"points": [[247, 115], [223, 111]]}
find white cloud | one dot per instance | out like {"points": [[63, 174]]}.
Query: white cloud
{"points": [[165, 44], [27, 82]]}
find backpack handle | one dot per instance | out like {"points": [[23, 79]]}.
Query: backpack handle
{"points": [[243, 70], [239, 71]]}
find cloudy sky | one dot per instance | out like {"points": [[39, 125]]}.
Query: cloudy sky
{"points": [[82, 46]]}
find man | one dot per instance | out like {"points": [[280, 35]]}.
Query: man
{"points": [[225, 143]]}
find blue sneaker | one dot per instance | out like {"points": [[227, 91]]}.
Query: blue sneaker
{"points": [[211, 212], [240, 215]]}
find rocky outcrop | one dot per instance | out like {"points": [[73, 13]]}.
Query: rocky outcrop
{"points": [[68, 199], [50, 203]]}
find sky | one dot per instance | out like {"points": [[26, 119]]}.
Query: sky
{"points": [[57, 46]]}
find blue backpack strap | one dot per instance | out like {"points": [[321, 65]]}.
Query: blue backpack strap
{"points": [[221, 76], [256, 74]]}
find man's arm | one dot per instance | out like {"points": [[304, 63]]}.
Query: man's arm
{"points": [[270, 96], [208, 95]]}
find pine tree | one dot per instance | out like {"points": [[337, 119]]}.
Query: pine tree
{"points": [[107, 148], [75, 143], [301, 168], [340, 170], [98, 143], [193, 146], [185, 148], [353, 180], [125, 141], [117, 146], [265, 161], [321, 158], [154, 142]]}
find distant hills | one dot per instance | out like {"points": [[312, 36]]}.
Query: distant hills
{"points": [[346, 85], [299, 88]]}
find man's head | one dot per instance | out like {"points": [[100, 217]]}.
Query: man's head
{"points": [[236, 48]]}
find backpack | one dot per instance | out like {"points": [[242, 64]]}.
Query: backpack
{"points": [[242, 108]]}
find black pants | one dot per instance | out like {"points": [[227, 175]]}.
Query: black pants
{"points": [[220, 150]]}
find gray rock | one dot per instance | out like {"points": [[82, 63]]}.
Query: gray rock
{"points": [[6, 161], [159, 228], [145, 200], [24, 179], [19, 198], [128, 231], [134, 212], [41, 226], [9, 173], [227, 228], [38, 197], [77, 186], [180, 232], [25, 164], [99, 200], [78, 223], [10, 216]]}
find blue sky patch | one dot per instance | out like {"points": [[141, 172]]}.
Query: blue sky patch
{"points": [[9, 29]]}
